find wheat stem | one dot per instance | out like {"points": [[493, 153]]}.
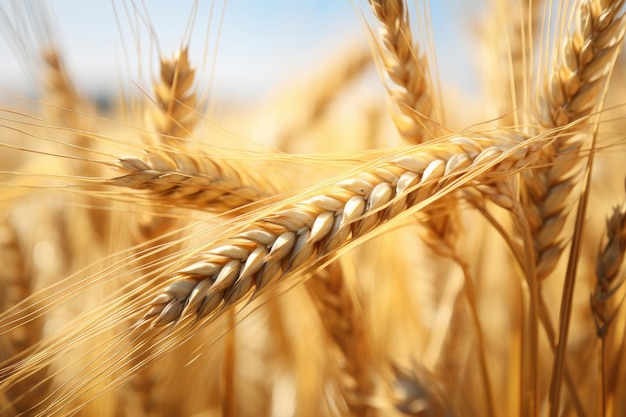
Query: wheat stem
{"points": [[568, 290]]}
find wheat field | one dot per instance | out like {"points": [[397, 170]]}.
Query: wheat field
{"points": [[371, 240]]}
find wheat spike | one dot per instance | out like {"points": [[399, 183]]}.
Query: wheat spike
{"points": [[418, 393], [175, 114], [173, 118], [195, 180], [19, 277], [412, 104], [314, 228], [587, 57], [609, 260], [571, 94], [60, 90], [510, 35], [608, 282], [321, 92], [347, 328], [410, 93]]}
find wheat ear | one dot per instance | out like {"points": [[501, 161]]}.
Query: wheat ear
{"points": [[172, 118], [417, 393], [347, 328], [412, 104], [571, 94], [609, 260], [608, 263], [410, 92], [175, 113], [587, 57], [511, 32], [70, 109], [312, 229], [61, 92], [195, 180], [320, 94]]}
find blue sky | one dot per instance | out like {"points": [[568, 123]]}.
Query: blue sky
{"points": [[261, 42]]}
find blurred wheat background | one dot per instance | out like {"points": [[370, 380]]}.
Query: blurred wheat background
{"points": [[312, 209]]}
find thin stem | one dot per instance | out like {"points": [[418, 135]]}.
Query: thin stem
{"points": [[569, 381], [601, 386], [568, 289], [470, 293], [533, 324], [229, 407]]}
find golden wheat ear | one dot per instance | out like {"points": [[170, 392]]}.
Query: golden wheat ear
{"points": [[326, 86], [198, 181], [175, 113], [605, 305], [314, 228], [410, 90], [586, 59], [411, 93], [510, 36], [572, 93], [416, 392], [609, 261], [346, 327]]}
